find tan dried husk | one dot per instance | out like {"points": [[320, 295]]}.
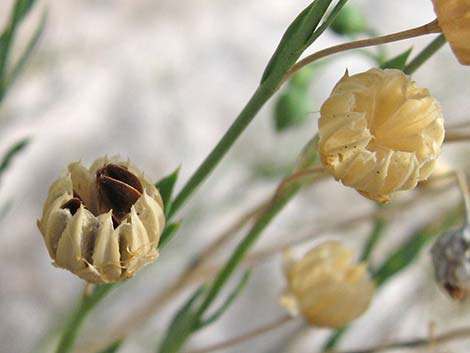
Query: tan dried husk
{"points": [[327, 287], [454, 19], [86, 243], [379, 133]]}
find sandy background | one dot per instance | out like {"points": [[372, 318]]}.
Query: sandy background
{"points": [[159, 82]]}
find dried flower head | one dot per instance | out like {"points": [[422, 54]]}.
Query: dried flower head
{"points": [[102, 223], [327, 287], [451, 259], [454, 19], [379, 133]]}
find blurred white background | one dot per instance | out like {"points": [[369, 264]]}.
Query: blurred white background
{"points": [[159, 82]]}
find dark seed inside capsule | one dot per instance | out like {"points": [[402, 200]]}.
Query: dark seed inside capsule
{"points": [[118, 189], [72, 205]]}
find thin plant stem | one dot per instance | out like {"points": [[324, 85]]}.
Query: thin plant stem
{"points": [[455, 136], [246, 336], [261, 96], [197, 271], [202, 272], [414, 343], [462, 180], [70, 331], [431, 27], [425, 54]]}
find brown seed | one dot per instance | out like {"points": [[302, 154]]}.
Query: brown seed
{"points": [[118, 190], [72, 205], [120, 173]]}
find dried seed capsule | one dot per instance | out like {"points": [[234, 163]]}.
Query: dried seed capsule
{"points": [[327, 287], [102, 223], [379, 133], [454, 19], [451, 260]]}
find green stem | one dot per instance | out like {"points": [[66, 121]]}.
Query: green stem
{"points": [[425, 54], [244, 246], [261, 95], [379, 226], [71, 327]]}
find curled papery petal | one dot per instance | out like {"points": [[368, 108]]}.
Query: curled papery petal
{"points": [[102, 223], [327, 287], [379, 133], [454, 19]]}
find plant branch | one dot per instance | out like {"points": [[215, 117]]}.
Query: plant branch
{"points": [[203, 271], [431, 27], [414, 343], [246, 336], [425, 54], [455, 136], [197, 271]]}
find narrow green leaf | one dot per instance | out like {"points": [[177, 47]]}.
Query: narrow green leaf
{"points": [[182, 325], [333, 340], [20, 10], [230, 299], [408, 251], [11, 153], [113, 348], [325, 24], [72, 326], [372, 240], [431, 49], [13, 75], [166, 186], [295, 38], [168, 233], [398, 62], [403, 257]]}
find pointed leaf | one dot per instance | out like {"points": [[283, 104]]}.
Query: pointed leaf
{"points": [[13, 75], [168, 233], [408, 251], [372, 240], [166, 186], [113, 348], [295, 38], [183, 324], [230, 299], [398, 62], [11, 153], [326, 23], [20, 10]]}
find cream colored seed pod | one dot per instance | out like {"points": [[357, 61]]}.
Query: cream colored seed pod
{"points": [[327, 287], [379, 133], [454, 19], [102, 223]]}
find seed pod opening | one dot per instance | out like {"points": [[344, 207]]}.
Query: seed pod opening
{"points": [[379, 133], [454, 19], [102, 223], [327, 287]]}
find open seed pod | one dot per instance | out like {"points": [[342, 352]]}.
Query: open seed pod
{"points": [[102, 223], [379, 133], [454, 19], [327, 287]]}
